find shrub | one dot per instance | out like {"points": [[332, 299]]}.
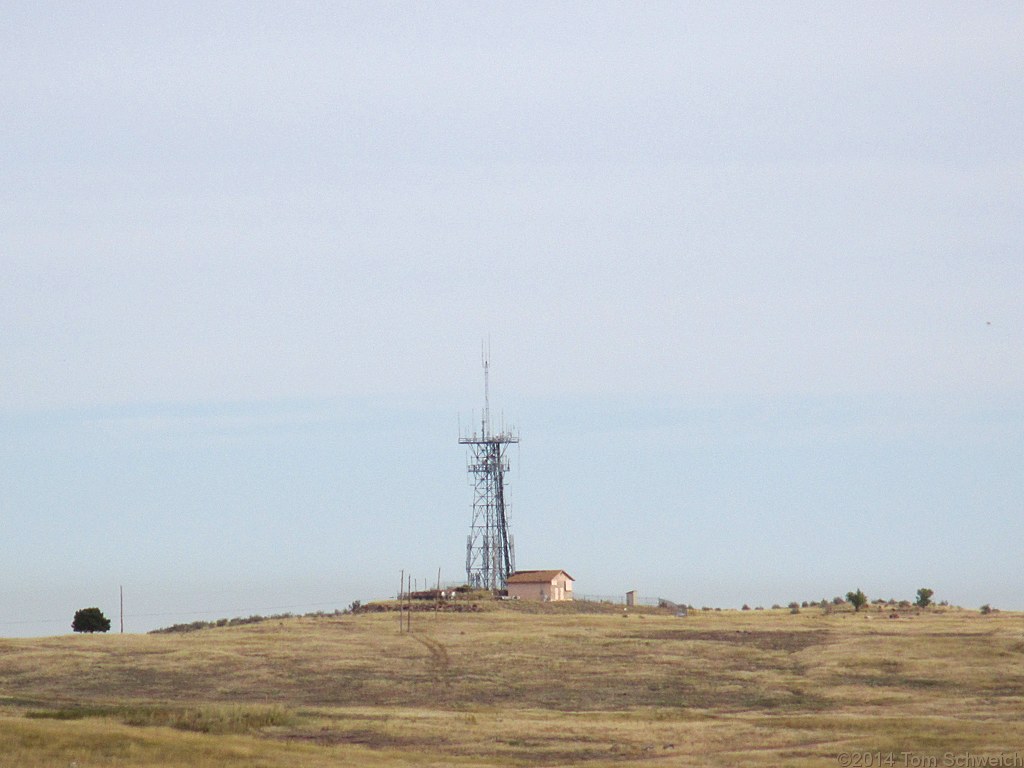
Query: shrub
{"points": [[794, 607], [924, 597], [857, 599], [745, 607], [208, 718], [987, 609], [90, 620]]}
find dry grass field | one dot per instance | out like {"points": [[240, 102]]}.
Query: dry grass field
{"points": [[518, 685]]}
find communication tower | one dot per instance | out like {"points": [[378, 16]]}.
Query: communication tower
{"points": [[490, 550]]}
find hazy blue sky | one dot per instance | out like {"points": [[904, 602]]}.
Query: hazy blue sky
{"points": [[752, 276]]}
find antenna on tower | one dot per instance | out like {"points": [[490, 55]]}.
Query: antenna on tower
{"points": [[490, 554], [485, 356]]}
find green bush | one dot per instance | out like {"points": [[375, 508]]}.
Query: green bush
{"points": [[90, 620], [857, 599]]}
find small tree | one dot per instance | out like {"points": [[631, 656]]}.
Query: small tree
{"points": [[857, 599], [90, 620], [924, 597]]}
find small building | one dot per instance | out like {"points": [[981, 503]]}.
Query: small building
{"points": [[540, 585]]}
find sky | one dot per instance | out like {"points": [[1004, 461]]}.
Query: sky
{"points": [[750, 275]]}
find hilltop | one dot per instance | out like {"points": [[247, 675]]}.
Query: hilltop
{"points": [[521, 684]]}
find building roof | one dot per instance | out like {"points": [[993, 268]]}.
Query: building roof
{"points": [[534, 577]]}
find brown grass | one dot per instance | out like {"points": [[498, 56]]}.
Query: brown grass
{"points": [[520, 686]]}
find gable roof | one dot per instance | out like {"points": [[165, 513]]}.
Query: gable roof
{"points": [[534, 577]]}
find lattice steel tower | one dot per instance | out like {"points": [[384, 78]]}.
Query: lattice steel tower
{"points": [[490, 551]]}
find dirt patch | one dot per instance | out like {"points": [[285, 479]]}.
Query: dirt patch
{"points": [[329, 737], [1012, 686], [763, 640]]}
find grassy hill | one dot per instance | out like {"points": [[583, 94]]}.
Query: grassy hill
{"points": [[524, 685]]}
